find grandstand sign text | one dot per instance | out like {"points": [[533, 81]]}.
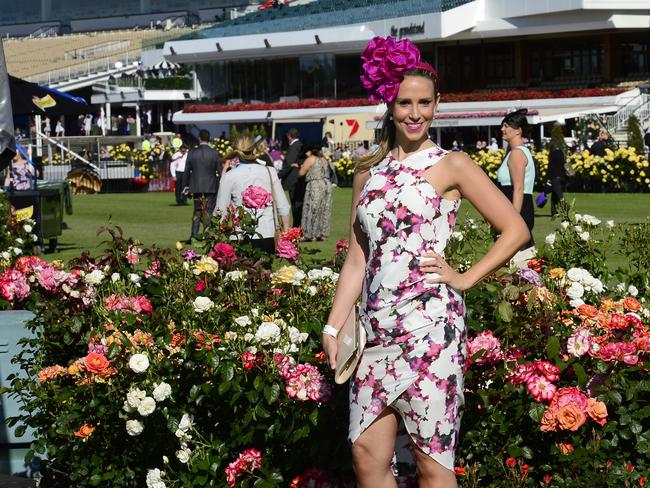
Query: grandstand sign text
{"points": [[407, 31]]}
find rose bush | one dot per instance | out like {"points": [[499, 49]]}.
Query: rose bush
{"points": [[189, 368]]}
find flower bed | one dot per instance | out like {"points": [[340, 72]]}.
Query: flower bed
{"points": [[203, 367], [494, 95]]}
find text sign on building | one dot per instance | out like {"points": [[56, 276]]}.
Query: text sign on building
{"points": [[411, 30]]}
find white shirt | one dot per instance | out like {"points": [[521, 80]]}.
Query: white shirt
{"points": [[235, 181], [178, 163]]}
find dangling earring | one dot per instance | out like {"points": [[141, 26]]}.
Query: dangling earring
{"points": [[390, 117]]}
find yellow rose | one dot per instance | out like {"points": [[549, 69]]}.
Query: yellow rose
{"points": [[556, 273], [285, 274], [206, 265]]}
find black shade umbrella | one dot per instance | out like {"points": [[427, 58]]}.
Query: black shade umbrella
{"points": [[32, 99]]}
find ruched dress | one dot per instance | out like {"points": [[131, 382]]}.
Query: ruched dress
{"points": [[415, 354]]}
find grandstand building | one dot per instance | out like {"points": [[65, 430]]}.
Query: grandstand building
{"points": [[487, 48]]}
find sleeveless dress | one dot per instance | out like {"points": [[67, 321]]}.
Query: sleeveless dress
{"points": [[415, 353], [317, 206]]}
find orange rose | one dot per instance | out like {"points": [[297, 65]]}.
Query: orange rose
{"points": [[570, 417], [50, 372], [96, 362], [549, 421], [84, 431], [567, 447], [587, 310], [632, 304], [606, 304], [597, 411]]}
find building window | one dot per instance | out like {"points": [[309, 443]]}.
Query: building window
{"points": [[636, 58]]}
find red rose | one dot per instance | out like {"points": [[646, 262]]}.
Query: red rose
{"points": [[223, 252], [511, 462]]}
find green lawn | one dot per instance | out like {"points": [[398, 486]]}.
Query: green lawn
{"points": [[155, 218]]}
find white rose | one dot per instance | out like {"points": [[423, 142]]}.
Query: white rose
{"points": [[312, 290], [5, 255], [564, 224], [576, 302], [457, 235], [296, 336], [255, 312], [550, 239], [230, 336], [576, 290], [578, 218], [154, 479], [243, 321], [147, 406], [27, 228], [186, 266], [134, 427], [298, 277], [128, 408], [115, 277], [248, 337], [202, 304], [134, 278], [134, 397], [34, 237], [632, 290], [584, 236], [139, 363], [19, 241], [610, 223], [268, 332], [183, 455], [621, 287], [186, 422], [94, 278], [17, 251], [590, 220], [597, 286], [577, 274], [162, 391], [577, 228], [315, 274], [235, 275]]}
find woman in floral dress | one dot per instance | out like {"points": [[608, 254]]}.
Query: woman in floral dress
{"points": [[406, 197], [317, 209]]}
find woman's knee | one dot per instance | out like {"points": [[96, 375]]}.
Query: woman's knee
{"points": [[369, 458]]}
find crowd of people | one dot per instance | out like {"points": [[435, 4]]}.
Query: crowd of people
{"points": [[299, 179]]}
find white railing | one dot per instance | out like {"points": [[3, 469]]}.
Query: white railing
{"points": [[618, 121], [91, 67], [643, 112]]}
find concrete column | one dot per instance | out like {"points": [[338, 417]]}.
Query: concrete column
{"points": [[138, 122], [607, 61], [107, 112], [39, 139]]}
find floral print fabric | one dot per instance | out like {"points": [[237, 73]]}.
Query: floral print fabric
{"points": [[414, 358]]}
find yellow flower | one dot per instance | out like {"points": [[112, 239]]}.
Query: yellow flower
{"points": [[556, 273], [179, 245], [206, 265], [285, 274]]}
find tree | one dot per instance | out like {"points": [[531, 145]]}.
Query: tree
{"points": [[634, 134], [557, 137]]}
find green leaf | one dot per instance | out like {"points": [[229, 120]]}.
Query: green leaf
{"points": [[272, 393], [580, 373], [553, 347], [505, 311], [313, 416]]}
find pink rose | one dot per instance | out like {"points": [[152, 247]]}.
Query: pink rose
{"points": [[224, 253], [51, 278], [13, 285], [570, 396], [287, 249], [256, 197], [486, 346]]}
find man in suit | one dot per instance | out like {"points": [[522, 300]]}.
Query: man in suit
{"points": [[201, 178], [291, 181]]}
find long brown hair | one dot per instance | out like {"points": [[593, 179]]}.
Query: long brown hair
{"points": [[388, 131]]}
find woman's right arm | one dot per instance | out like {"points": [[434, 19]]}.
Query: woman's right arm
{"points": [[352, 274]]}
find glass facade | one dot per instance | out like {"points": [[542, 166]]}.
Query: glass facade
{"points": [[30, 11], [636, 58]]}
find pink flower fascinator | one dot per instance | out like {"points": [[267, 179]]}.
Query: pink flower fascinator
{"points": [[385, 60]]}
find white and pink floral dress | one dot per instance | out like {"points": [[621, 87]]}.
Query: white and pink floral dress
{"points": [[414, 358]]}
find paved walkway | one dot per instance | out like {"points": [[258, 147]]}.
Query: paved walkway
{"points": [[13, 482]]}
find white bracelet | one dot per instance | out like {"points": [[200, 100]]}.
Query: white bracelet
{"points": [[329, 330]]}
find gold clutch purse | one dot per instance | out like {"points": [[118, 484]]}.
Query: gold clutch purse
{"points": [[351, 341]]}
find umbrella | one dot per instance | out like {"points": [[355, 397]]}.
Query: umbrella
{"points": [[32, 99], [165, 65]]}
